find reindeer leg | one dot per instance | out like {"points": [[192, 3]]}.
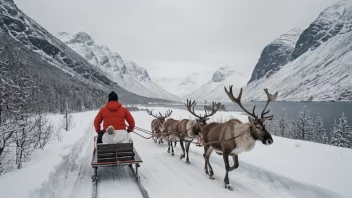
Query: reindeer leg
{"points": [[210, 169], [188, 144], [172, 149], [227, 167], [208, 152], [168, 149], [235, 162], [183, 149], [205, 160]]}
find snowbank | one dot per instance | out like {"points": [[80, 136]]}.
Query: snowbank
{"points": [[322, 165], [288, 168], [43, 162]]}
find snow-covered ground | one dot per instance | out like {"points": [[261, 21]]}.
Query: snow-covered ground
{"points": [[288, 168]]}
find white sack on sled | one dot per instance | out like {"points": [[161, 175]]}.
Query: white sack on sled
{"points": [[113, 136]]}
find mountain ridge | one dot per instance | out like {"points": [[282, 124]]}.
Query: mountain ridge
{"points": [[320, 68], [126, 73], [29, 34]]}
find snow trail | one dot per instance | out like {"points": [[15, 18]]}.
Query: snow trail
{"points": [[163, 175]]}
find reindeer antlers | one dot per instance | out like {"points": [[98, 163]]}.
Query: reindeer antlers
{"points": [[167, 114], [238, 101], [270, 99], [190, 104]]}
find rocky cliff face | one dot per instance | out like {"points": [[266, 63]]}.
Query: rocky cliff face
{"points": [[334, 20], [276, 54], [18, 27], [125, 73], [319, 68]]}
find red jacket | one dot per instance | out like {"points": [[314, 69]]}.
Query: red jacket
{"points": [[114, 114]]}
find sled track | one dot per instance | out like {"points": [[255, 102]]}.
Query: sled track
{"points": [[127, 172], [72, 178], [164, 175]]}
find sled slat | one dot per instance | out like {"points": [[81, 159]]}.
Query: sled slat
{"points": [[115, 154], [120, 145]]}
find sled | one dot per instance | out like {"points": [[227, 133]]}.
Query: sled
{"points": [[114, 155]]}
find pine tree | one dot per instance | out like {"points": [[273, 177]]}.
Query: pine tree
{"points": [[303, 125], [325, 139], [342, 133], [283, 124], [319, 133]]}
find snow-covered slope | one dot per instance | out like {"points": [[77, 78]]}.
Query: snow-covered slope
{"points": [[126, 73], [334, 20], [214, 88], [276, 54], [286, 169], [45, 52], [169, 84], [321, 69], [184, 87], [192, 83]]}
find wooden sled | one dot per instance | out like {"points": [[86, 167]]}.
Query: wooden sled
{"points": [[114, 155]]}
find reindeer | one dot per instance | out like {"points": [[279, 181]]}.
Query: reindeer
{"points": [[191, 129], [158, 125], [171, 132], [233, 137]]}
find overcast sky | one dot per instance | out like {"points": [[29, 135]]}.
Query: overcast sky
{"points": [[175, 38]]}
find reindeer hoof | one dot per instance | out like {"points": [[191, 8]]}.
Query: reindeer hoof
{"points": [[211, 177], [168, 151], [187, 162], [228, 187], [172, 154]]}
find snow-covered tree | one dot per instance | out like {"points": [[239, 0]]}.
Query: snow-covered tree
{"points": [[303, 125], [319, 133], [67, 122], [283, 126], [342, 133]]}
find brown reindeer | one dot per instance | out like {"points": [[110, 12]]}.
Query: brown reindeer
{"points": [[171, 132], [234, 137], [191, 129], [158, 125]]}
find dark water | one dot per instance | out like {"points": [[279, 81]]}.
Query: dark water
{"points": [[329, 111]]}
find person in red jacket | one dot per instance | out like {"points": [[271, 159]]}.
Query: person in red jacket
{"points": [[113, 114]]}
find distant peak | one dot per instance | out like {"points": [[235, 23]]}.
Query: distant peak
{"points": [[223, 72], [80, 37], [83, 36]]}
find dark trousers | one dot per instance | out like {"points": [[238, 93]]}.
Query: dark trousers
{"points": [[100, 137]]}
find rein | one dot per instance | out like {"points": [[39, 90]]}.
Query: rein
{"points": [[143, 136], [169, 133], [219, 141], [165, 134]]}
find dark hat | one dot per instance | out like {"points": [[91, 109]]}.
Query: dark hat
{"points": [[113, 96]]}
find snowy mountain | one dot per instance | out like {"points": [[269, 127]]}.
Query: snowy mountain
{"points": [[333, 21], [126, 73], [213, 90], [276, 54], [36, 44], [320, 69], [169, 84], [192, 83], [184, 87]]}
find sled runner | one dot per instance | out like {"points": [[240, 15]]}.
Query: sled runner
{"points": [[114, 155]]}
